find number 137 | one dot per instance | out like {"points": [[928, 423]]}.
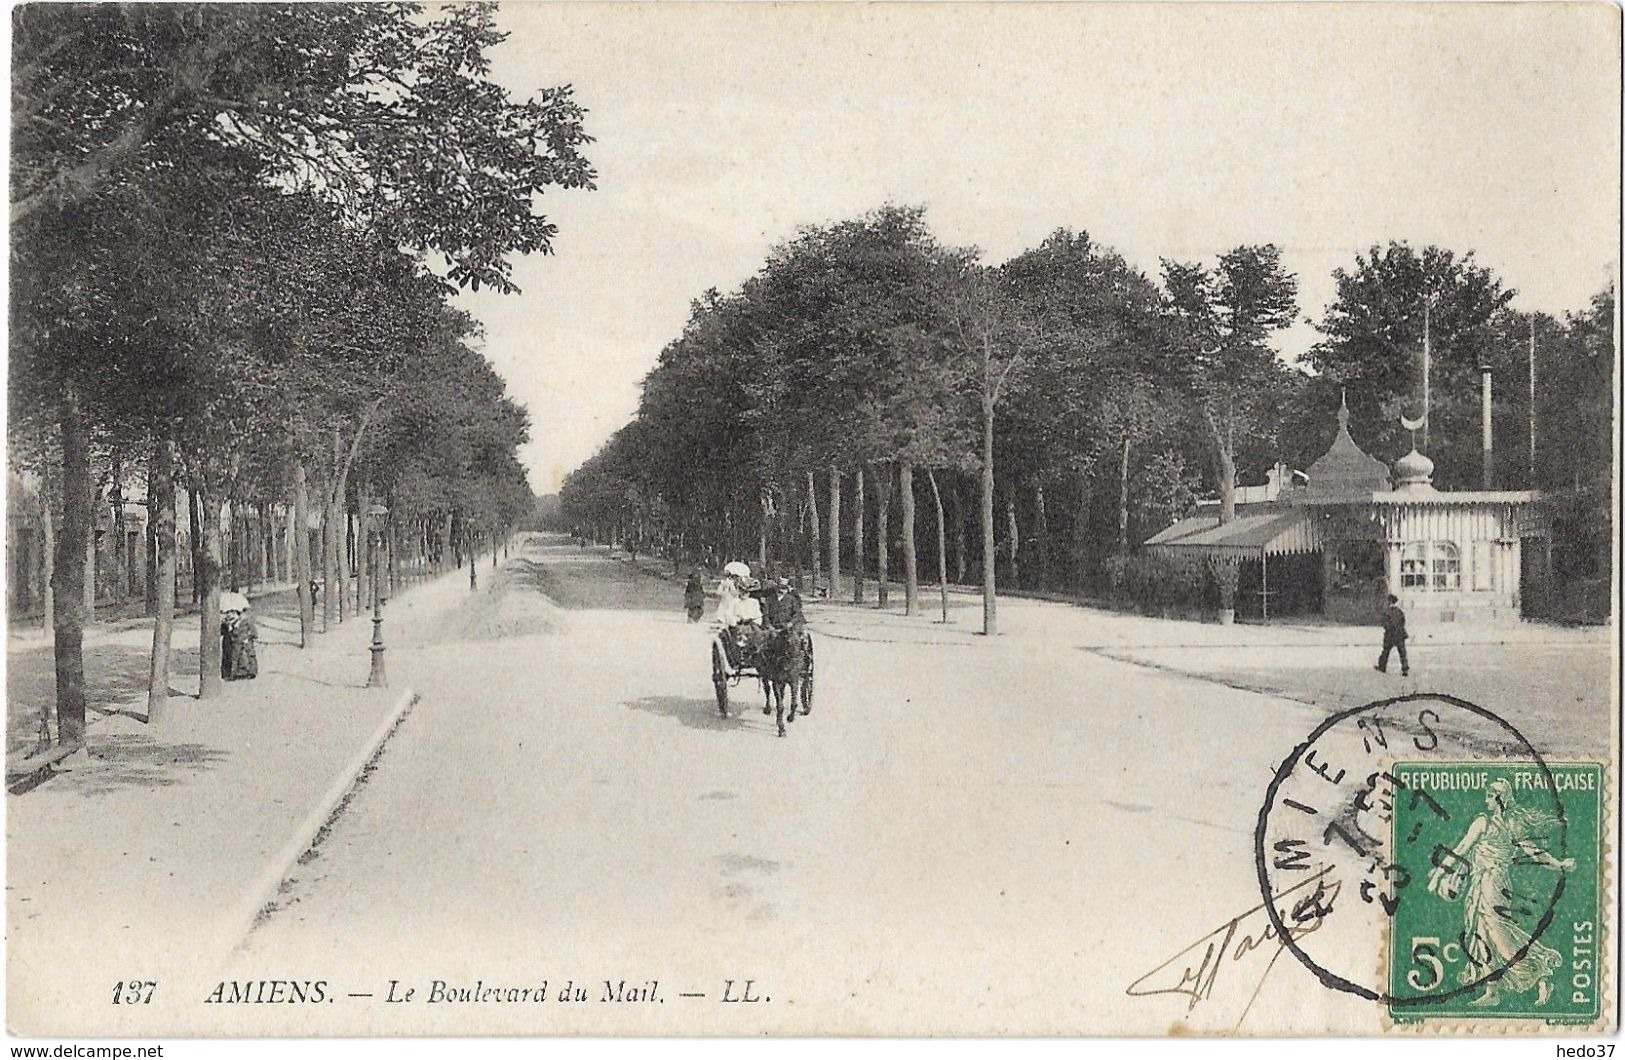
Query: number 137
{"points": [[134, 992]]}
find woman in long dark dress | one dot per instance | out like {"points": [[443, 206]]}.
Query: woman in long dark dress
{"points": [[239, 655], [694, 597]]}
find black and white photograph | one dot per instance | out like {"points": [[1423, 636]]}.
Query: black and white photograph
{"points": [[851, 520]]}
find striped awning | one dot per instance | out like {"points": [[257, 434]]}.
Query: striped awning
{"points": [[1246, 536]]}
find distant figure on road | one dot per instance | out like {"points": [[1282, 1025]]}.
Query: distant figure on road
{"points": [[694, 596], [1393, 636]]}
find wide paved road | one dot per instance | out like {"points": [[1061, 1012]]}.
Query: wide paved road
{"points": [[959, 839]]}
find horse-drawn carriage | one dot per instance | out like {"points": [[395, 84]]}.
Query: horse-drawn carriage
{"points": [[781, 659]]}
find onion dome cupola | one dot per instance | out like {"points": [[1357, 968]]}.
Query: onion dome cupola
{"points": [[1413, 473], [1345, 470]]}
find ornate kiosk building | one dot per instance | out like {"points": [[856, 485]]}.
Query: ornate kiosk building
{"points": [[1339, 543]]}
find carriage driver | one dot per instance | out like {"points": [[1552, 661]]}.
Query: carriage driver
{"points": [[783, 612], [783, 609]]}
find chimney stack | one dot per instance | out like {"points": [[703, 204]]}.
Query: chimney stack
{"points": [[1488, 437]]}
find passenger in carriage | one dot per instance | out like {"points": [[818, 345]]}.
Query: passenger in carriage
{"points": [[735, 603], [738, 612]]}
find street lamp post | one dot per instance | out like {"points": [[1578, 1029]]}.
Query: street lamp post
{"points": [[376, 678]]}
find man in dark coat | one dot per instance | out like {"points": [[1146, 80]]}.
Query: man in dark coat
{"points": [[781, 609], [1393, 636]]}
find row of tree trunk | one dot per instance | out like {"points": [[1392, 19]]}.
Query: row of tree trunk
{"points": [[835, 518], [260, 545], [346, 543]]}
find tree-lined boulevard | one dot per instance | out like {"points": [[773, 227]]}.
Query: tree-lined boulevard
{"points": [[238, 231]]}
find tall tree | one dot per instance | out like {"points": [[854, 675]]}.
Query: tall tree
{"points": [[992, 335], [1219, 322], [391, 113]]}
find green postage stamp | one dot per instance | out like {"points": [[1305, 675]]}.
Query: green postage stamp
{"points": [[1507, 920]]}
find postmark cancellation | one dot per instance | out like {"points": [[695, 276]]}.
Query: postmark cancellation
{"points": [[1439, 867]]}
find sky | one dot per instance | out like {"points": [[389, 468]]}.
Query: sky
{"points": [[1164, 130]]}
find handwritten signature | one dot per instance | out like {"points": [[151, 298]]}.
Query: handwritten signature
{"points": [[1194, 970]]}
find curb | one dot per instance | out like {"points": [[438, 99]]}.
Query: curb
{"points": [[973, 639], [262, 894]]}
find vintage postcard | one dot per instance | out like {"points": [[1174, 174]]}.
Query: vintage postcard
{"points": [[820, 519]]}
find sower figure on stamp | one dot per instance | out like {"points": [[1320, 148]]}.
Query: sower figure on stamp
{"points": [[1393, 636], [1505, 835]]}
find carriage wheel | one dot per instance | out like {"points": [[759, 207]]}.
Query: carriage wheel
{"points": [[719, 677], [807, 676]]}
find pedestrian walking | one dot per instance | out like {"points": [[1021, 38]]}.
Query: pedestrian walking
{"points": [[694, 596], [1393, 636]]}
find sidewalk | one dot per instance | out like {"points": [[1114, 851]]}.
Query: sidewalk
{"points": [[116, 661], [155, 854]]}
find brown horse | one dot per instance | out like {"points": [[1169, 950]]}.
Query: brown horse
{"points": [[780, 664]]}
